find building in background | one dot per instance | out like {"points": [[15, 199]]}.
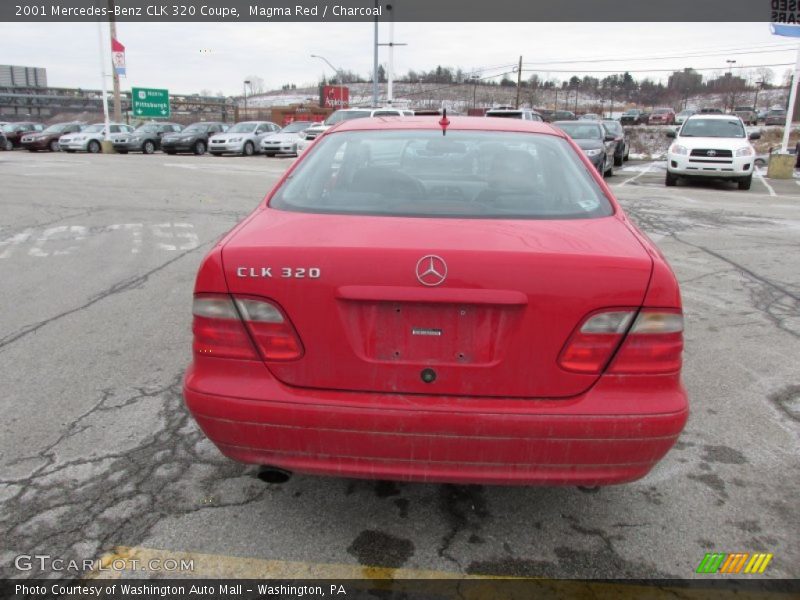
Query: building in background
{"points": [[29, 77]]}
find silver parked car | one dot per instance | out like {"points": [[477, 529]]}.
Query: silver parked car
{"points": [[286, 140], [243, 138], [89, 139]]}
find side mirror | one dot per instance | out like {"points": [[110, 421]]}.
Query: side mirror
{"points": [[671, 134], [756, 135], [610, 138]]}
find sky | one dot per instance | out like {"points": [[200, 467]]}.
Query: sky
{"points": [[189, 57]]}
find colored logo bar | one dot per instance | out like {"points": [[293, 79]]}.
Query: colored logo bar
{"points": [[734, 563]]}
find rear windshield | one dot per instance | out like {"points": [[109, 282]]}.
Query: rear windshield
{"points": [[581, 131], [722, 128], [468, 174]]}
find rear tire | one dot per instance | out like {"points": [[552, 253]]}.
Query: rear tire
{"points": [[9, 146], [199, 148], [671, 180], [618, 160], [54, 146], [248, 149], [94, 147], [745, 183], [148, 147]]}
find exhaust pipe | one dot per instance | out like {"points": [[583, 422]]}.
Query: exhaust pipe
{"points": [[270, 474]]}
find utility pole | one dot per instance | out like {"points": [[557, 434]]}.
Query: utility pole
{"points": [[519, 81], [112, 26], [103, 67], [391, 44], [375, 62]]}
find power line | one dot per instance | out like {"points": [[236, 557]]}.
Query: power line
{"points": [[686, 54], [618, 71], [632, 59]]}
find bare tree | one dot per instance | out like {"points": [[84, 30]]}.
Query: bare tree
{"points": [[256, 85]]}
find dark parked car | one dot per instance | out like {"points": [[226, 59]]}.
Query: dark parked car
{"points": [[48, 138], [561, 115], [597, 144], [776, 116], [145, 138], [634, 116], [192, 139], [13, 132], [622, 148]]}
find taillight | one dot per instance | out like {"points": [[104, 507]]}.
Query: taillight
{"points": [[653, 344], [272, 332], [218, 329], [592, 345], [226, 327]]}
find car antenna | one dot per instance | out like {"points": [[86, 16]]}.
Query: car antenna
{"points": [[444, 121]]}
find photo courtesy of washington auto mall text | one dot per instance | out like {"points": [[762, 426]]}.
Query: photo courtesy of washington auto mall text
{"points": [[399, 299]]}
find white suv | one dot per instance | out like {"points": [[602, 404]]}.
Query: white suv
{"points": [[345, 114], [714, 146]]}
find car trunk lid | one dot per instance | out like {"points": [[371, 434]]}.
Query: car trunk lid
{"points": [[365, 297]]}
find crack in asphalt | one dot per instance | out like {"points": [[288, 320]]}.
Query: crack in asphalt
{"points": [[119, 287], [773, 300], [117, 498]]}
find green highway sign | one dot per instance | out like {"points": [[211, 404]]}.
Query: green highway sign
{"points": [[149, 102]]}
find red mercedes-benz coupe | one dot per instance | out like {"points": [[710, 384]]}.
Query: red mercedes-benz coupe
{"points": [[444, 300]]}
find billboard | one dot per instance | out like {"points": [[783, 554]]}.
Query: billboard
{"points": [[334, 96]]}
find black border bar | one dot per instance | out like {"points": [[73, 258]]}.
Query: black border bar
{"points": [[711, 11]]}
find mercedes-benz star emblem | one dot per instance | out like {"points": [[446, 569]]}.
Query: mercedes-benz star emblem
{"points": [[431, 270]]}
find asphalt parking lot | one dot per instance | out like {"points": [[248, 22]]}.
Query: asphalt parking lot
{"points": [[99, 458]]}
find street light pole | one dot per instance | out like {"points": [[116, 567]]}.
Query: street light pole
{"points": [[759, 87], [246, 83], [339, 76]]}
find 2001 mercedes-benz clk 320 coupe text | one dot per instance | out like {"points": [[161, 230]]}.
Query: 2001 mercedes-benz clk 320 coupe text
{"points": [[440, 300]]}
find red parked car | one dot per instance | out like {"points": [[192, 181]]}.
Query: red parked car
{"points": [[662, 116], [469, 307]]}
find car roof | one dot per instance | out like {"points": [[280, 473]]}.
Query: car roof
{"points": [[456, 123]]}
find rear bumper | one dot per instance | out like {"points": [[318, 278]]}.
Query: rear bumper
{"points": [[614, 433]]}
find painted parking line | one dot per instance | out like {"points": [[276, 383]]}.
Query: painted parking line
{"points": [[763, 180], [647, 169]]}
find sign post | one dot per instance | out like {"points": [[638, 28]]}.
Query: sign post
{"points": [[150, 103], [789, 31]]}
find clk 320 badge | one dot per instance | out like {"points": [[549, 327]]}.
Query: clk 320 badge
{"points": [[282, 272]]}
